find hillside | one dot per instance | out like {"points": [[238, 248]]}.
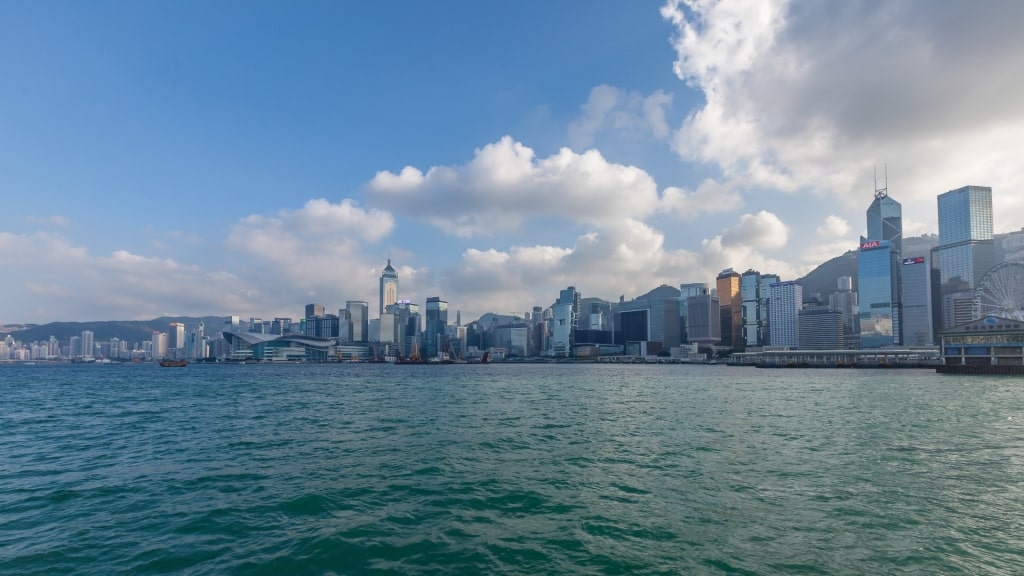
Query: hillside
{"points": [[130, 330], [823, 279]]}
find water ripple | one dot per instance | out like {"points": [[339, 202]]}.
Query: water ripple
{"points": [[552, 469]]}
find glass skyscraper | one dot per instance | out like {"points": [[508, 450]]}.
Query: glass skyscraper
{"points": [[358, 319], [916, 310], [877, 287], [750, 285], [885, 221], [965, 214], [731, 308], [965, 252], [437, 326]]}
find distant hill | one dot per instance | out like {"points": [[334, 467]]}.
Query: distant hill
{"points": [[823, 279], [129, 330]]}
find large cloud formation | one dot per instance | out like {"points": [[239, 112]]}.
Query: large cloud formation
{"points": [[808, 96], [62, 280], [505, 183], [317, 253]]}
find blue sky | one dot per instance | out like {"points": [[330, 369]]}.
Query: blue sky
{"points": [[247, 158]]}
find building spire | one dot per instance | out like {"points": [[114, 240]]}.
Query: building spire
{"points": [[884, 191]]}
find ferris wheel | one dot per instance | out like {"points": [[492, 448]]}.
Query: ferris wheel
{"points": [[1001, 292]]}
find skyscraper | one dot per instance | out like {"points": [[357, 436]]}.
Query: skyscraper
{"points": [[314, 310], [879, 274], [765, 308], [731, 308], [750, 287], [177, 336], [159, 348], [877, 291], [437, 323], [786, 301], [885, 220], [88, 344], [916, 310], [571, 298], [704, 319], [358, 316], [685, 292], [388, 287], [965, 252]]}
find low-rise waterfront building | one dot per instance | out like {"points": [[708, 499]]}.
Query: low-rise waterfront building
{"points": [[990, 344]]}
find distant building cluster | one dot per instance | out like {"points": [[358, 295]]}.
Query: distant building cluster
{"points": [[897, 300]]}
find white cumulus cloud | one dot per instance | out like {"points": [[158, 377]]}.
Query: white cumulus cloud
{"points": [[506, 183], [61, 280], [807, 97]]}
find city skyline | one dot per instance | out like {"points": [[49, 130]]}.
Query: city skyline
{"points": [[193, 160]]}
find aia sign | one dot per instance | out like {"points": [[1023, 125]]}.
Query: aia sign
{"points": [[870, 244]]}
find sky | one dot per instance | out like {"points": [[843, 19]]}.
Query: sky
{"points": [[247, 158]]}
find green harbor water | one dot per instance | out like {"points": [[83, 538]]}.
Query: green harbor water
{"points": [[508, 469]]}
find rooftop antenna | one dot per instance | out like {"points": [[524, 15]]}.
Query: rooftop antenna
{"points": [[882, 192]]}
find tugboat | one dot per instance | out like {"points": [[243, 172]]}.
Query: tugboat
{"points": [[169, 363]]}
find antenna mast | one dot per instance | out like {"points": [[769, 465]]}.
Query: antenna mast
{"points": [[882, 192]]}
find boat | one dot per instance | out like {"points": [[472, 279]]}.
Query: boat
{"points": [[168, 363]]}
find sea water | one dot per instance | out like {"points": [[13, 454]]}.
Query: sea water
{"points": [[508, 469]]}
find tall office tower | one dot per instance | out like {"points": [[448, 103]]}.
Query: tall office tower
{"points": [[765, 307], [878, 294], [88, 344], [685, 292], [231, 324], [159, 345], [387, 329], [358, 313], [704, 319], [879, 274], [750, 301], [917, 296], [844, 301], [570, 297], [406, 326], [965, 252], [787, 299], [177, 336], [437, 326], [560, 340], [314, 310], [198, 350], [75, 347], [388, 287], [115, 347], [728, 287], [885, 219]]}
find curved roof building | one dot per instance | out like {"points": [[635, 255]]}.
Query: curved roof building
{"points": [[275, 348]]}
